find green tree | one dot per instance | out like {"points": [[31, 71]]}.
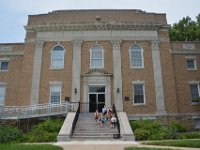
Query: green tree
{"points": [[185, 30]]}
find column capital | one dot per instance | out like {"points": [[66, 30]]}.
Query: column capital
{"points": [[39, 43], [77, 43], [116, 43], [155, 44]]}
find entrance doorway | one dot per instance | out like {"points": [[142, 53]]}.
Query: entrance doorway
{"points": [[96, 97]]}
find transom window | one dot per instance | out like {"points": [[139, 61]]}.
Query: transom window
{"points": [[2, 94], [191, 64], [138, 94], [136, 54], [3, 65], [55, 92], [195, 92], [96, 56], [57, 58]]}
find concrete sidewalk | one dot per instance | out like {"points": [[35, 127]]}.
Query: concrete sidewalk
{"points": [[109, 145]]}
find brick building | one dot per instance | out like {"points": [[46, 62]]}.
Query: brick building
{"points": [[97, 57]]}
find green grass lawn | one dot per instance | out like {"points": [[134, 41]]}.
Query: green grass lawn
{"points": [[29, 147], [144, 148], [195, 143]]}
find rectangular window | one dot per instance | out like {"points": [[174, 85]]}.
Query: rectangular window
{"points": [[2, 94], [195, 93], [191, 64], [139, 94], [55, 94], [3, 65]]}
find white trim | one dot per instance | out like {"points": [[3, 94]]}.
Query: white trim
{"points": [[194, 82], [51, 67], [102, 65], [190, 57], [142, 53], [4, 94], [144, 95]]}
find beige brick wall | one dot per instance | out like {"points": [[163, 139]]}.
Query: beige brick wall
{"points": [[53, 75], [13, 75], [168, 78], [183, 76], [131, 74]]}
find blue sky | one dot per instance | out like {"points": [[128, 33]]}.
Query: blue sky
{"points": [[14, 13]]}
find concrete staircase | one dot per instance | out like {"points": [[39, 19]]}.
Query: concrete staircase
{"points": [[88, 129]]}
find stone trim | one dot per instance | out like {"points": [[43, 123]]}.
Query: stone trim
{"points": [[159, 90], [4, 53], [76, 70], [117, 75], [92, 26], [36, 72]]}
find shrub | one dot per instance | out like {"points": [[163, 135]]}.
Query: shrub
{"points": [[141, 134], [177, 127], [44, 132], [9, 134], [190, 135]]}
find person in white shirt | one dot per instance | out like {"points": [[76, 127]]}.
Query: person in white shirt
{"points": [[113, 121]]}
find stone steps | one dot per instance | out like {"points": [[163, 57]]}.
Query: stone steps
{"points": [[87, 128]]}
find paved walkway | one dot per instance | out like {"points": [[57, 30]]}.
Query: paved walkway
{"points": [[109, 145]]}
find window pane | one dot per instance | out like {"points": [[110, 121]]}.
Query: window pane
{"points": [[136, 56], [194, 91], [190, 64], [55, 94], [57, 57], [138, 93], [57, 64], [96, 57], [96, 88], [97, 54], [4, 65], [2, 94]]}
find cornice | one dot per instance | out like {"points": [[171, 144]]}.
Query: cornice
{"points": [[93, 26]]}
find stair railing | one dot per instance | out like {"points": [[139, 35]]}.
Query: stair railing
{"points": [[75, 120], [117, 136]]}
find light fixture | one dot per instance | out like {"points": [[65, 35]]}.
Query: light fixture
{"points": [[75, 90], [117, 90]]}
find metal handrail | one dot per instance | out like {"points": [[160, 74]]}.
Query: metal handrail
{"points": [[118, 124], [75, 120], [46, 109]]}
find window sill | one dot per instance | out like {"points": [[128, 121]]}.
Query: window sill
{"points": [[56, 68], [3, 70], [195, 103], [191, 69], [142, 104]]}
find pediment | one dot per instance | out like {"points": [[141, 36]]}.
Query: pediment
{"points": [[97, 72]]}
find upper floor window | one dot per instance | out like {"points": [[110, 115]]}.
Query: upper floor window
{"points": [[96, 56], [138, 93], [55, 93], [2, 94], [3, 65], [136, 54], [195, 92], [191, 64], [57, 58]]}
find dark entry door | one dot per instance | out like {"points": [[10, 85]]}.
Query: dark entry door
{"points": [[92, 102], [96, 98]]}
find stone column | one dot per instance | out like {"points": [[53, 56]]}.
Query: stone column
{"points": [[76, 70], [118, 100], [35, 89], [160, 101]]}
